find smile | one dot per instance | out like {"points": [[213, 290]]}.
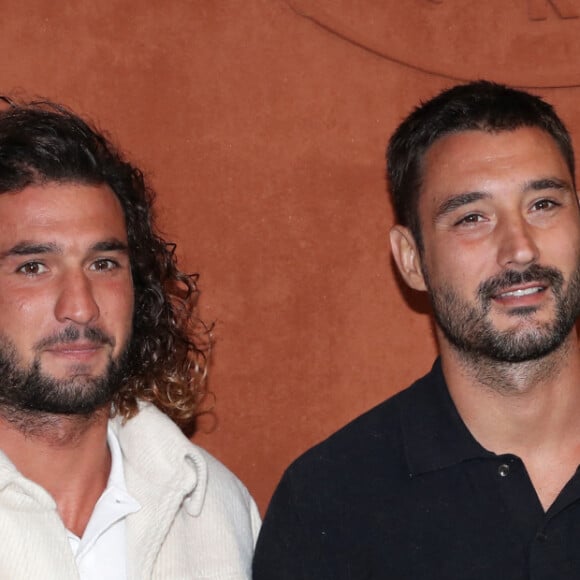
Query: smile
{"points": [[522, 292]]}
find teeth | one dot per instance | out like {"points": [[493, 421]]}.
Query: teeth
{"points": [[525, 292]]}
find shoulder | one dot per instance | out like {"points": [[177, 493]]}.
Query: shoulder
{"points": [[374, 434], [222, 483], [370, 447], [157, 455], [225, 499]]}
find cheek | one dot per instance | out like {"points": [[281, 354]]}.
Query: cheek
{"points": [[24, 320], [116, 305], [25, 309], [123, 293], [127, 306], [562, 251], [458, 268]]}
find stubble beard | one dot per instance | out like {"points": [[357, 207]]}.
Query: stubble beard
{"points": [[468, 328], [27, 392]]}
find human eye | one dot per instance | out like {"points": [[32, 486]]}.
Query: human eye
{"points": [[32, 268], [104, 265], [544, 205], [469, 219]]}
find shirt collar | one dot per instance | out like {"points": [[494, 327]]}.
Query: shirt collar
{"points": [[434, 435], [115, 503], [117, 474], [158, 457]]}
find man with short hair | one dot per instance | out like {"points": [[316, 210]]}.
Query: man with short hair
{"points": [[471, 473], [101, 360]]}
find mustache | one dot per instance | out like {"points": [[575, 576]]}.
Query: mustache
{"points": [[73, 334], [535, 273]]}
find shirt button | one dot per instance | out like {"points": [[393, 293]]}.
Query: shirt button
{"points": [[503, 470]]}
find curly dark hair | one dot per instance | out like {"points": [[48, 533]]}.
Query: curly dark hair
{"points": [[479, 105], [43, 142]]}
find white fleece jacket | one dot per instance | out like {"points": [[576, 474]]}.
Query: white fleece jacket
{"points": [[197, 521]]}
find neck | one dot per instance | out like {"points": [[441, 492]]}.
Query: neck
{"points": [[508, 379], [529, 409], [49, 429], [68, 456], [499, 401]]}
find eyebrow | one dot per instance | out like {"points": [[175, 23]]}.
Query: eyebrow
{"points": [[111, 245], [28, 248], [455, 201], [547, 183]]}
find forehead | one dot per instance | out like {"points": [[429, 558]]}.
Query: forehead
{"points": [[61, 210], [470, 159]]}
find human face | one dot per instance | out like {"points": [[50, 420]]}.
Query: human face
{"points": [[501, 243], [66, 297]]}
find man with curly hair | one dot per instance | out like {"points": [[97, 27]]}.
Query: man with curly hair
{"points": [[102, 362]]}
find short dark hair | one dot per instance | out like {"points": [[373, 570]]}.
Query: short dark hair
{"points": [[43, 142], [479, 105]]}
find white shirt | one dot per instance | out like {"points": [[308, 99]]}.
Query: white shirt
{"points": [[102, 551]]}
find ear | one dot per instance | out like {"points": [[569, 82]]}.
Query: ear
{"points": [[407, 257]]}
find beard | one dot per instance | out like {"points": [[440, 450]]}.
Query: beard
{"points": [[468, 328], [29, 390]]}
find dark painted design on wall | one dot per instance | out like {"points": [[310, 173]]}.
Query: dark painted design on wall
{"points": [[530, 43]]}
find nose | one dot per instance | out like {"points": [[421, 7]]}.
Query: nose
{"points": [[517, 245], [76, 302]]}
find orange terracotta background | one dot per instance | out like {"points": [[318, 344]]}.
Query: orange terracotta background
{"points": [[262, 124]]}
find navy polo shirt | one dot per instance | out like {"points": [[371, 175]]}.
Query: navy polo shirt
{"points": [[406, 492]]}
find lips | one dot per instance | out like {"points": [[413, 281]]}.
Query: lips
{"points": [[514, 286], [74, 346], [73, 338], [521, 292], [74, 351]]}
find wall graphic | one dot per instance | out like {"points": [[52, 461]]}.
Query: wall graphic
{"points": [[527, 42]]}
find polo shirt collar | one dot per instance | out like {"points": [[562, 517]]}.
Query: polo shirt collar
{"points": [[434, 435]]}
